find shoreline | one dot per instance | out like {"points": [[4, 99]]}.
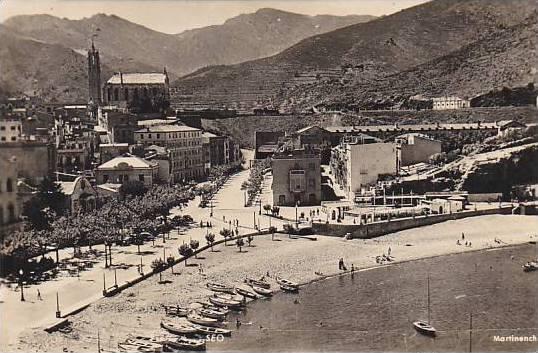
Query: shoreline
{"points": [[138, 309]]}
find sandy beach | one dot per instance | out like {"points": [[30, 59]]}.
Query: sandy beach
{"points": [[138, 309]]}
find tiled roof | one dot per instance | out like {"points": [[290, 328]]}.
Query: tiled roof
{"points": [[137, 78], [168, 128], [134, 162]]}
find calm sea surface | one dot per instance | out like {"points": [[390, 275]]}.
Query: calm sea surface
{"points": [[374, 310]]}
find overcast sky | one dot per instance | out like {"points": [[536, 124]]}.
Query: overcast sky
{"points": [[173, 16]]}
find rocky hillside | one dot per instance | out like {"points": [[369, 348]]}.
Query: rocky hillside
{"points": [[128, 46], [366, 52]]}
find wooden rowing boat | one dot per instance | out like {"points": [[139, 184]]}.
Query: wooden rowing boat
{"points": [[211, 306], [285, 282], [179, 328], [424, 328], [258, 283], [131, 348], [246, 293], [175, 310], [289, 289], [221, 302], [217, 287], [185, 344], [207, 330], [202, 320], [262, 291], [214, 314]]}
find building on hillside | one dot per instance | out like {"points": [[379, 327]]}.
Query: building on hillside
{"points": [[296, 178], [144, 92], [123, 169], [267, 143], [184, 145], [416, 148], [10, 207], [507, 126], [452, 102], [359, 161], [107, 151], [118, 123], [10, 130], [80, 195]]}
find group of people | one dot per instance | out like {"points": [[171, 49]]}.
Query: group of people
{"points": [[467, 243], [382, 258], [207, 224], [341, 265]]}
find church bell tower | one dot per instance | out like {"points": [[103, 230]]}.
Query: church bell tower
{"points": [[94, 75]]}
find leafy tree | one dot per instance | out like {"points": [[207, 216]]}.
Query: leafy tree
{"points": [[185, 251], [194, 245], [225, 232], [210, 239], [133, 188], [240, 243], [267, 208], [50, 195], [170, 260]]}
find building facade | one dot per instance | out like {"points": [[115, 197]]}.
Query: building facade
{"points": [[10, 130], [356, 164], [416, 148], [296, 179], [10, 208], [80, 195], [123, 169], [145, 92], [445, 103], [184, 146]]}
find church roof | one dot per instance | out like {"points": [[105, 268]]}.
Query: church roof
{"points": [[137, 78]]}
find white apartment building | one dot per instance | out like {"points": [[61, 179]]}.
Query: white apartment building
{"points": [[452, 102]]}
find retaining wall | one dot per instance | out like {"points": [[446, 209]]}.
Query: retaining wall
{"points": [[376, 229]]}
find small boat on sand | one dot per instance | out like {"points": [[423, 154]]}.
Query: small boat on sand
{"points": [[175, 310], [179, 328], [202, 320], [131, 348], [285, 282], [221, 302], [217, 287], [262, 291], [214, 314], [206, 330], [425, 328], [246, 293], [530, 266], [185, 344], [289, 289], [259, 283], [211, 306]]}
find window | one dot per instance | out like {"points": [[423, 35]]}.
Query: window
{"points": [[297, 180], [13, 128], [3, 128], [116, 94], [311, 166], [158, 136], [11, 213], [105, 178], [3, 138], [141, 177], [13, 138], [9, 185], [281, 199]]}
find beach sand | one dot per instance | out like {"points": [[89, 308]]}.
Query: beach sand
{"points": [[138, 310]]}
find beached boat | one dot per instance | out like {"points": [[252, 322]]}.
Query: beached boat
{"points": [[211, 306], [128, 348], [179, 328], [290, 289], [202, 320], [207, 330], [422, 326], [259, 283], [214, 314], [285, 282], [530, 266], [175, 310], [262, 291], [221, 302], [185, 344], [217, 287], [246, 293]]}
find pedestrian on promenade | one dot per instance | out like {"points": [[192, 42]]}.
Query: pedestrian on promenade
{"points": [[224, 218], [39, 295], [201, 224], [462, 236], [207, 224], [389, 250], [352, 268]]}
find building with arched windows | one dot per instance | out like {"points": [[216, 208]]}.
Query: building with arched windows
{"points": [[9, 203]]}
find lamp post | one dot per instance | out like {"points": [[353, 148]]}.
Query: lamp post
{"points": [[260, 211], [297, 214], [211, 206], [58, 313], [21, 284]]}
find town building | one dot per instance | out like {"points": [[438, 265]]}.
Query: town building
{"points": [[359, 161], [10, 207], [140, 92], [184, 145], [107, 151], [80, 195], [123, 169], [416, 148], [507, 126], [118, 124], [215, 150], [10, 130], [452, 102], [267, 143], [296, 178]]}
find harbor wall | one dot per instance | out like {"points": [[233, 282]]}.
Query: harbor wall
{"points": [[376, 229]]}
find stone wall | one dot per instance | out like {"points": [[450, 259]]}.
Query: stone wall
{"points": [[381, 228]]}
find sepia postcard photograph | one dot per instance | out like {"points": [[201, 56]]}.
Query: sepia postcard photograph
{"points": [[288, 176]]}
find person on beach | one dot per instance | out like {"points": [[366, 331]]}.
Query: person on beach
{"points": [[207, 224], [389, 250], [352, 268], [224, 218], [296, 301], [39, 295], [237, 323], [462, 236]]}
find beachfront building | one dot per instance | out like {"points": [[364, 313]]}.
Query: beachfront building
{"points": [[145, 92], [296, 178], [123, 169], [452, 102], [80, 195], [359, 161], [183, 145], [416, 148], [215, 150]]}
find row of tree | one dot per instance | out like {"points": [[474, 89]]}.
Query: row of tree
{"points": [[253, 185]]}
